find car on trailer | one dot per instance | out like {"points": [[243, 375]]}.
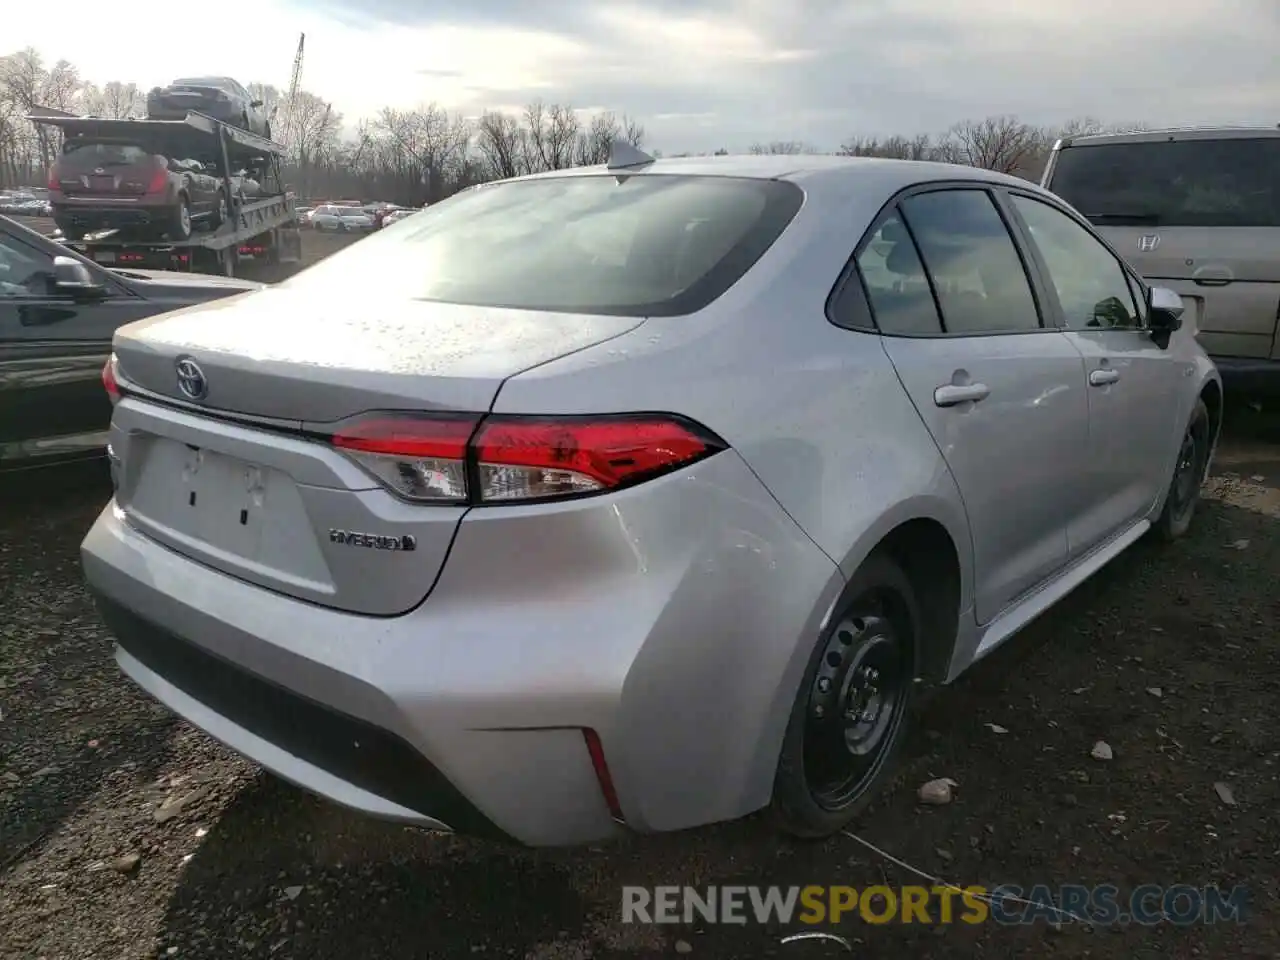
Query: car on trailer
{"points": [[108, 184], [261, 227], [222, 98]]}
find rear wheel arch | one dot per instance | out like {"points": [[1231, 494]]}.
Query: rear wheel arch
{"points": [[926, 552], [1211, 394]]}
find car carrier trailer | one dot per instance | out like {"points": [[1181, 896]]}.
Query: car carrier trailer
{"points": [[257, 229]]}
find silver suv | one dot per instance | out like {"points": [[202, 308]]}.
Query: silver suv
{"points": [[1197, 211]]}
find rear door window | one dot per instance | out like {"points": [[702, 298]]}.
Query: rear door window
{"points": [[1230, 182], [977, 272], [896, 284]]}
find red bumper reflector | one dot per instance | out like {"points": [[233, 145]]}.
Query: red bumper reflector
{"points": [[603, 776]]}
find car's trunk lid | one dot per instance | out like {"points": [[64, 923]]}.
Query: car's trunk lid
{"points": [[232, 481], [190, 96], [1230, 277]]}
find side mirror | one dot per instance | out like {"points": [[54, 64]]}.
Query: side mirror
{"points": [[1166, 309], [255, 103], [70, 276]]}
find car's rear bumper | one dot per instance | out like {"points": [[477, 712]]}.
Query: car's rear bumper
{"points": [[674, 620], [94, 213], [1247, 377]]}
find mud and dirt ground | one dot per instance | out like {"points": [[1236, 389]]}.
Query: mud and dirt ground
{"points": [[1171, 656]]}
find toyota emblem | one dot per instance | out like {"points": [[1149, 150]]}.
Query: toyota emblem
{"points": [[1148, 242], [191, 379]]}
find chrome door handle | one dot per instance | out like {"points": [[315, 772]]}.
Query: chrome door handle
{"points": [[1100, 378], [951, 394]]}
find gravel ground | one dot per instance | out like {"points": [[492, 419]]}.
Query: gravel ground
{"points": [[126, 833]]}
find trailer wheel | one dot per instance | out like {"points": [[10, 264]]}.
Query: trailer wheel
{"points": [[180, 224]]}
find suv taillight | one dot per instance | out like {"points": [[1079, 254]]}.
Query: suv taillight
{"points": [[160, 178], [517, 459], [55, 178], [109, 382]]}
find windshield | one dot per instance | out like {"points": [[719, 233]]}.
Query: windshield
{"points": [[221, 83], [1181, 183], [648, 245]]}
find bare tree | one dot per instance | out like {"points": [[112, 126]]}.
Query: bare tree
{"points": [[502, 144], [122, 100], [429, 145], [781, 148], [553, 133], [273, 103], [1001, 143], [896, 147]]}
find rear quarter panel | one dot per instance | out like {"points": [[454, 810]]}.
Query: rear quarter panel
{"points": [[816, 412]]}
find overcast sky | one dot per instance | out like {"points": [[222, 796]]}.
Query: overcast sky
{"points": [[700, 74]]}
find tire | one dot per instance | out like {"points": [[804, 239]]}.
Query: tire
{"points": [[219, 215], [180, 220], [822, 782], [70, 231], [1188, 476]]}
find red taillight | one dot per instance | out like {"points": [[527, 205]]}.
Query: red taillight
{"points": [[598, 763], [160, 178], [529, 459], [510, 459], [109, 382], [418, 458], [55, 181]]}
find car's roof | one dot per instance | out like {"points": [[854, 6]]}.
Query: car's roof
{"points": [[813, 170], [1174, 134]]}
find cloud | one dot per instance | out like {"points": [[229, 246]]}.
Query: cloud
{"points": [[700, 74]]}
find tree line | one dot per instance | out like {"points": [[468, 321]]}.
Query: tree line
{"points": [[427, 153]]}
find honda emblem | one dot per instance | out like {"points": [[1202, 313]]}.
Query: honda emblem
{"points": [[1148, 242]]}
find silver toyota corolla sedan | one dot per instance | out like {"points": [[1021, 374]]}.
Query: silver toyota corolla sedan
{"points": [[639, 497]]}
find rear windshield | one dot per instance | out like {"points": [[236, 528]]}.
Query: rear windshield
{"points": [[647, 245], [221, 83], [106, 154], [1183, 183]]}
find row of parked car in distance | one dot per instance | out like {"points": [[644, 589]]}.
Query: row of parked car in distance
{"points": [[25, 202], [350, 217]]}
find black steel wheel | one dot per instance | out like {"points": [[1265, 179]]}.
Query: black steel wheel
{"points": [[850, 714], [856, 704], [1188, 475]]}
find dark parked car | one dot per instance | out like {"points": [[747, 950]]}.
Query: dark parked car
{"points": [[58, 312], [106, 185], [219, 97]]}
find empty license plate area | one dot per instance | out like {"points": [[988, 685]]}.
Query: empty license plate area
{"points": [[243, 518]]}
